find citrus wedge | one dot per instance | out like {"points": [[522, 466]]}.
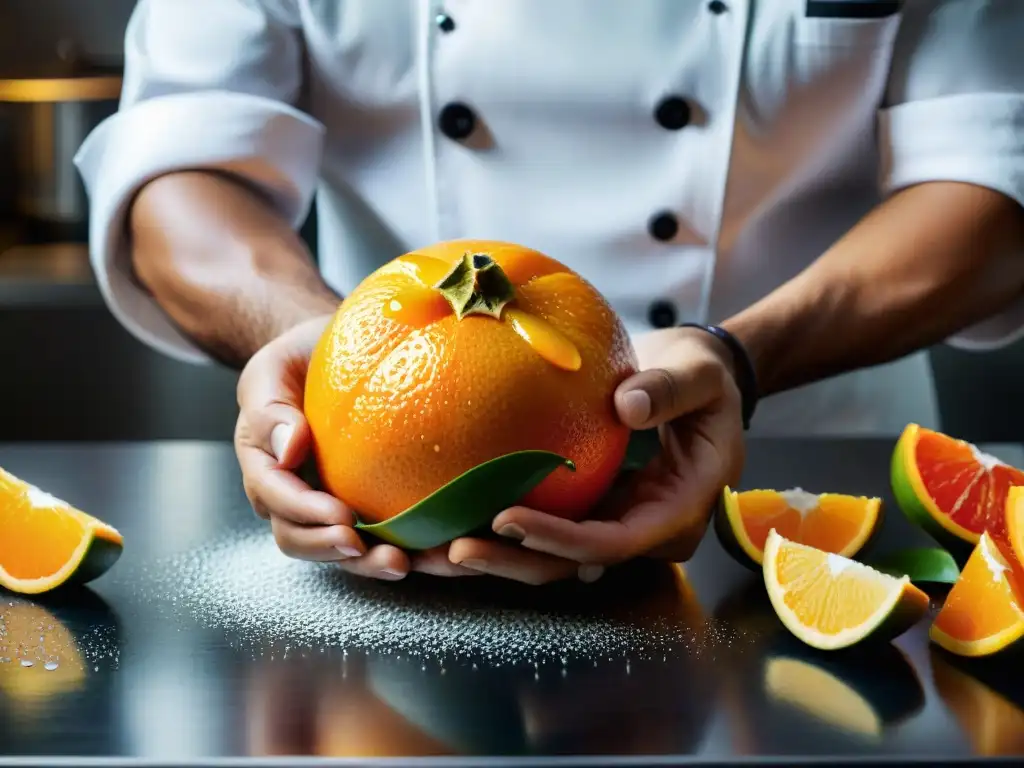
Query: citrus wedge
{"points": [[1015, 524], [950, 488], [830, 602], [828, 521], [45, 542], [982, 614]]}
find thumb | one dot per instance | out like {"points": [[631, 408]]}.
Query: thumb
{"points": [[270, 397], [657, 395], [289, 436], [277, 429]]}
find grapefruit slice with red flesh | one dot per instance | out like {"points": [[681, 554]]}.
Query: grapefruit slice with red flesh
{"points": [[951, 489]]}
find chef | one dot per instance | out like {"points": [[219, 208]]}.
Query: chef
{"points": [[785, 201]]}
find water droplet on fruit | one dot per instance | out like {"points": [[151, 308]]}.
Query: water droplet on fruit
{"points": [[51, 665], [437, 448]]}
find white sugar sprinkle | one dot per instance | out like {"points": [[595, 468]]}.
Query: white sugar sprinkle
{"points": [[800, 500], [243, 585], [996, 564], [41, 499], [837, 564], [986, 460]]}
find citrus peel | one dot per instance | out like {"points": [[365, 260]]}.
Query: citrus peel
{"points": [[831, 602], [46, 543]]}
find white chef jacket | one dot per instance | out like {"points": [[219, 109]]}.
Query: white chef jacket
{"points": [[685, 156]]}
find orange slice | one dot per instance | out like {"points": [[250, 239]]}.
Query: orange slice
{"points": [[982, 614], [45, 542], [831, 522], [1015, 524], [829, 601], [950, 488]]}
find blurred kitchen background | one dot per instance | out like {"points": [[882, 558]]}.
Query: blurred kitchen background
{"points": [[68, 371]]}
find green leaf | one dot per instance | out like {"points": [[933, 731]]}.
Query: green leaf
{"points": [[469, 502], [929, 564], [643, 446]]}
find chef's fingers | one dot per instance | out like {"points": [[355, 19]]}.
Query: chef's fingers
{"points": [[316, 542], [270, 394], [436, 563], [383, 562], [281, 493], [591, 541], [279, 429], [516, 563], [608, 542], [670, 505], [657, 508], [684, 372], [658, 395]]}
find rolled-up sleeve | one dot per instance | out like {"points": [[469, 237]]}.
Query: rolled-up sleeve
{"points": [[208, 85], [955, 112]]}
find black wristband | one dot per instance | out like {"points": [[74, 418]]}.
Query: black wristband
{"points": [[746, 378]]}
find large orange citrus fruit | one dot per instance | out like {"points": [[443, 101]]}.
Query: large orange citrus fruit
{"points": [[459, 353]]}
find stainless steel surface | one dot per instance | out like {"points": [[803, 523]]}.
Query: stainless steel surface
{"points": [[182, 690], [52, 115]]}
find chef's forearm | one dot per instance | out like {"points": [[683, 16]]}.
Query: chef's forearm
{"points": [[925, 264], [226, 268]]}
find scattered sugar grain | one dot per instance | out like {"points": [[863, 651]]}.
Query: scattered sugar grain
{"points": [[263, 600]]}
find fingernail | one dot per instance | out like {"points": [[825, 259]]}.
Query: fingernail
{"points": [[349, 551], [391, 575], [279, 439], [512, 531], [588, 574], [474, 565], [636, 406]]}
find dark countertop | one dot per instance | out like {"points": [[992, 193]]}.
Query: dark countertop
{"points": [[172, 657]]}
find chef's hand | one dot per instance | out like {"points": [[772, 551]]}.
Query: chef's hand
{"points": [[272, 440], [686, 387]]}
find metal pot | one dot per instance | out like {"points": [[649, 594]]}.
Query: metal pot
{"points": [[51, 117]]}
